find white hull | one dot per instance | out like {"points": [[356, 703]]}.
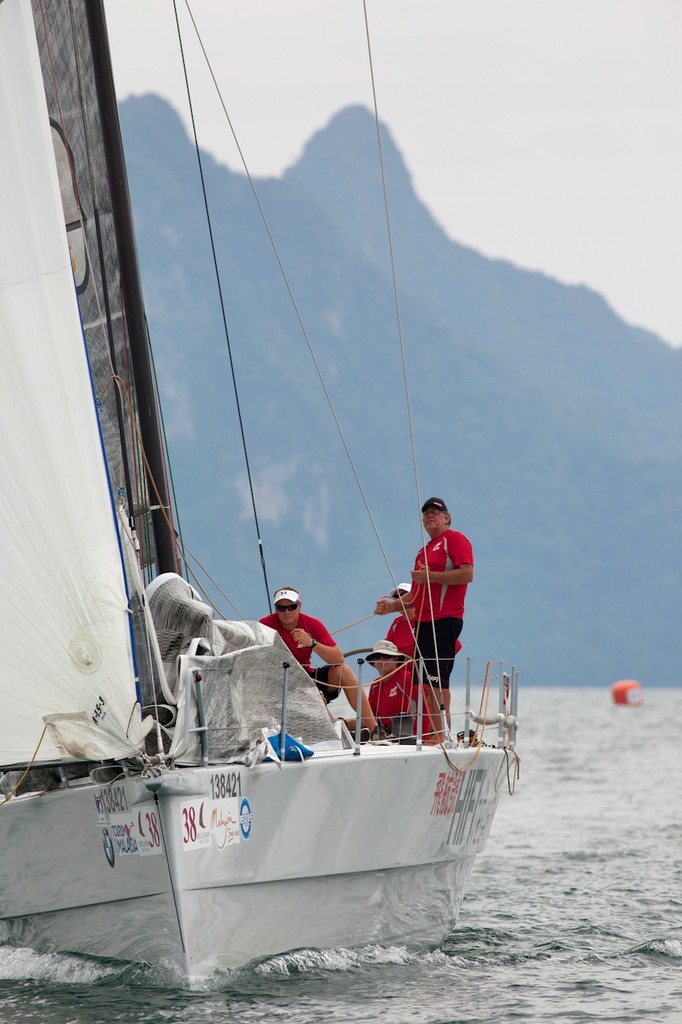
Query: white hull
{"points": [[322, 856]]}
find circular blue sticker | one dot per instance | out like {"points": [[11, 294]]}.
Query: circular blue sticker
{"points": [[245, 818]]}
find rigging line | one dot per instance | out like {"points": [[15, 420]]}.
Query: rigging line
{"points": [[27, 769], [166, 453], [222, 307], [356, 623], [292, 298], [140, 497], [119, 383], [391, 249], [478, 742], [396, 299], [203, 568]]}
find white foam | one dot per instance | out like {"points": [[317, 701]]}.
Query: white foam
{"points": [[20, 963]]}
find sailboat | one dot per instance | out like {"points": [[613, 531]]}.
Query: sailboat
{"points": [[175, 791]]}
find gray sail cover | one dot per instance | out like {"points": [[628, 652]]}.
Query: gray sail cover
{"points": [[242, 676]]}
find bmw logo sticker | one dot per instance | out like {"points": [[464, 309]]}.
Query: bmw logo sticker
{"points": [[108, 847]]}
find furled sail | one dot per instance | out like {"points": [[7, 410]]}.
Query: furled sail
{"points": [[65, 645]]}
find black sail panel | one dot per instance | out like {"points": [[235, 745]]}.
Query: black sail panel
{"points": [[82, 108]]}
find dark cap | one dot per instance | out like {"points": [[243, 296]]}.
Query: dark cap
{"points": [[435, 503]]}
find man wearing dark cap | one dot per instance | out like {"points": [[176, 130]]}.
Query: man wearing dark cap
{"points": [[443, 568]]}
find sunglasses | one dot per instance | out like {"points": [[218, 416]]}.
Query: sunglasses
{"points": [[286, 607]]}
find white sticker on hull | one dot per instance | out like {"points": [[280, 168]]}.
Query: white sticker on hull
{"points": [[136, 834], [127, 833], [209, 823]]}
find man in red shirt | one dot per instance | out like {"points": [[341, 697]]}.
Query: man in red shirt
{"points": [[303, 634], [401, 633], [443, 568], [391, 693]]}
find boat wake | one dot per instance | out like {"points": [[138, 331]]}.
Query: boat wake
{"points": [[22, 964], [303, 961], [664, 949]]}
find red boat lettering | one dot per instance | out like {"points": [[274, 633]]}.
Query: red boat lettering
{"points": [[445, 795]]}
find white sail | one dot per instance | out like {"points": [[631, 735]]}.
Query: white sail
{"points": [[64, 630]]}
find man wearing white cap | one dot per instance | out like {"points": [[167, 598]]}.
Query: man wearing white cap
{"points": [[401, 630], [303, 634]]}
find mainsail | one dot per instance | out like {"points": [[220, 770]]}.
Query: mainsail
{"points": [[65, 637], [81, 103]]}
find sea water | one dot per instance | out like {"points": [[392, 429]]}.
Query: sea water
{"points": [[574, 911]]}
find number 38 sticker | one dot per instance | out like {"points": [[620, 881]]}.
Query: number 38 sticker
{"points": [[214, 823]]}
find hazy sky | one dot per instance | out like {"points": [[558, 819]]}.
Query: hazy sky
{"points": [[547, 132]]}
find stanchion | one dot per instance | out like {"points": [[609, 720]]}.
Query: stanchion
{"points": [[358, 709], [283, 728]]}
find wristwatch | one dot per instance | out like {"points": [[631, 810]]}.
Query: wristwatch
{"points": [[313, 645]]}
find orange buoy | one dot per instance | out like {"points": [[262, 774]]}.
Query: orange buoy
{"points": [[627, 691]]}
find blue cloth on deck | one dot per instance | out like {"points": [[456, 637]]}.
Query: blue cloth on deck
{"points": [[293, 750]]}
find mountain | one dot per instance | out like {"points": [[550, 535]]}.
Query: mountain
{"points": [[549, 425]]}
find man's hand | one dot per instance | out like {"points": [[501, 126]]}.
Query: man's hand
{"points": [[302, 638]]}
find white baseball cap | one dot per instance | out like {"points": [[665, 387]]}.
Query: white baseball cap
{"points": [[287, 595]]}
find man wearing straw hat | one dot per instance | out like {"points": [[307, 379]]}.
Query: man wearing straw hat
{"points": [[391, 693]]}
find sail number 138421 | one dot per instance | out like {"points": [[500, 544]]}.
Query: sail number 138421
{"points": [[225, 784]]}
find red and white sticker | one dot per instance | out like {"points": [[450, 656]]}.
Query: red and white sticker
{"points": [[136, 833], [209, 823]]}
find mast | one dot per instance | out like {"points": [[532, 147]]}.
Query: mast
{"points": [[150, 428]]}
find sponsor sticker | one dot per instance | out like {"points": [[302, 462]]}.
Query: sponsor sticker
{"points": [[245, 818], [209, 823], [108, 847], [126, 833]]}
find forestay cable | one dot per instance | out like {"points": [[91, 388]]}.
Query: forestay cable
{"points": [[389, 232], [290, 293], [408, 404], [222, 303]]}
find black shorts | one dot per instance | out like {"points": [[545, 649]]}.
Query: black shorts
{"points": [[438, 657], [321, 675]]}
